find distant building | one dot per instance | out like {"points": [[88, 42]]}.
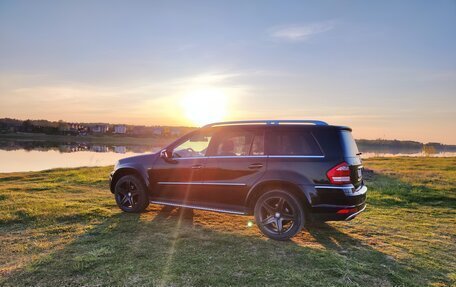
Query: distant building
{"points": [[99, 129], [99, 148], [72, 128], [139, 131], [76, 127], [120, 149], [175, 132], [157, 131], [120, 129]]}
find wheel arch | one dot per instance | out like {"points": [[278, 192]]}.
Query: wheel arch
{"points": [[126, 171], [264, 186]]}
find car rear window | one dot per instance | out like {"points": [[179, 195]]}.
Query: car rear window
{"points": [[294, 142], [348, 143]]}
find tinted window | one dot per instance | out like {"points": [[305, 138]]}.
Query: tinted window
{"points": [[294, 142], [238, 143], [348, 143], [257, 145]]}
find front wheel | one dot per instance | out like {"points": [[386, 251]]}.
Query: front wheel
{"points": [[279, 214], [131, 194]]}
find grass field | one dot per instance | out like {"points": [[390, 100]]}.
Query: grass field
{"points": [[61, 227]]}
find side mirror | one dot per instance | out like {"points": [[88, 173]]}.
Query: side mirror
{"points": [[167, 155]]}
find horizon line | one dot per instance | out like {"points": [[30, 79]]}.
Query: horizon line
{"points": [[195, 127]]}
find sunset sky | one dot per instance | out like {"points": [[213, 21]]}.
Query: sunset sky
{"points": [[385, 68]]}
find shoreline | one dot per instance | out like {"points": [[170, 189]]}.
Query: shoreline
{"points": [[103, 139]]}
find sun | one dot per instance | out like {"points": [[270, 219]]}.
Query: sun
{"points": [[204, 106]]}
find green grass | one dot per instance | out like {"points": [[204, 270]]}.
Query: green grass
{"points": [[61, 227]]}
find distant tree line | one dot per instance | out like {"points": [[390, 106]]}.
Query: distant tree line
{"points": [[8, 125], [397, 146]]}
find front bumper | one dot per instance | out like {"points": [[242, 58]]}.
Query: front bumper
{"points": [[110, 181]]}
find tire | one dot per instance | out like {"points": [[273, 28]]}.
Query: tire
{"points": [[279, 214], [131, 194]]}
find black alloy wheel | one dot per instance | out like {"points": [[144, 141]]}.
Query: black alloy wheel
{"points": [[279, 214], [131, 194]]}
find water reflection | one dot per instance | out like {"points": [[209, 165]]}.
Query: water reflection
{"points": [[74, 147], [386, 151], [16, 155], [365, 155]]}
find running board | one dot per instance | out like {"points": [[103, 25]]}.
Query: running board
{"points": [[198, 207]]}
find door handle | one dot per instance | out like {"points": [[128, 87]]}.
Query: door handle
{"points": [[255, 165], [197, 166]]}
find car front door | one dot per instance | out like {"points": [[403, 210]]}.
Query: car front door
{"points": [[235, 161], [173, 179]]}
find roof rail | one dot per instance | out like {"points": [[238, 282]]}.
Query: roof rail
{"points": [[268, 122]]}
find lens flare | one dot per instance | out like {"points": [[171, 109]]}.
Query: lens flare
{"points": [[204, 106]]}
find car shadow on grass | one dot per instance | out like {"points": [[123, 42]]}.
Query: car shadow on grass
{"points": [[173, 247]]}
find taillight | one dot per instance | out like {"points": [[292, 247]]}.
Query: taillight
{"points": [[340, 174], [347, 211]]}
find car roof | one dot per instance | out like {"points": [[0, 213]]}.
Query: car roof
{"points": [[276, 124], [268, 122]]}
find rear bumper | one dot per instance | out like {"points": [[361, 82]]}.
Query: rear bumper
{"points": [[353, 215], [338, 203], [334, 216]]}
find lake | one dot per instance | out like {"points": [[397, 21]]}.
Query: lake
{"points": [[40, 155], [22, 155]]}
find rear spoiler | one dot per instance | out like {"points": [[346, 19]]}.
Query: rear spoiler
{"points": [[345, 128]]}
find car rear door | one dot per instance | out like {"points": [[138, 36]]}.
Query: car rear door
{"points": [[235, 161]]}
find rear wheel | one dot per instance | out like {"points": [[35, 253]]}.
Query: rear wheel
{"points": [[279, 214], [131, 194]]}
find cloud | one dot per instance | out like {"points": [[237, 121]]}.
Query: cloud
{"points": [[296, 33]]}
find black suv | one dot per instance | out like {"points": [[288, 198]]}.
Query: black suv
{"points": [[286, 173]]}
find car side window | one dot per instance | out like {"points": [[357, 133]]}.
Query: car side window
{"points": [[233, 144], [257, 145], [238, 143], [195, 146], [294, 143]]}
